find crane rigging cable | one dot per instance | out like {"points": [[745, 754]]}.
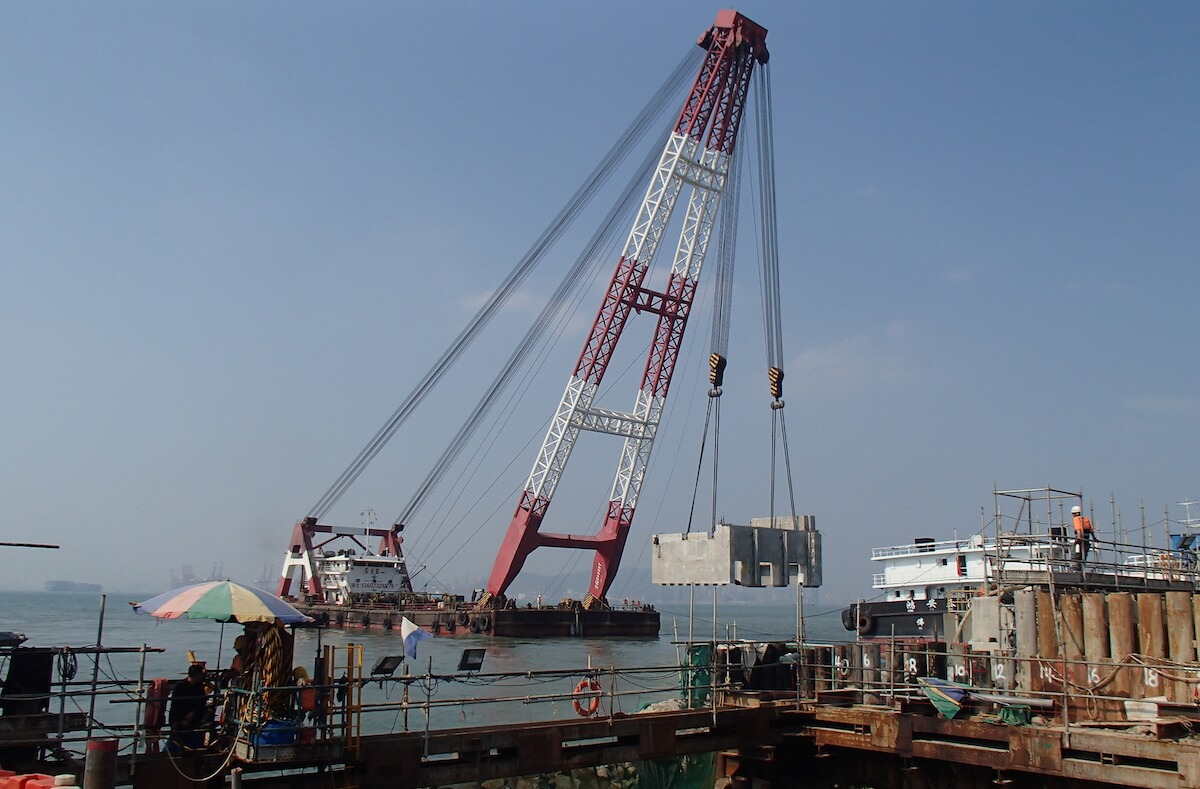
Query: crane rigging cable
{"points": [[564, 570], [617, 216], [583, 195], [464, 480], [719, 340], [421, 547], [727, 245], [585, 264], [770, 233], [772, 308], [772, 311], [435, 523]]}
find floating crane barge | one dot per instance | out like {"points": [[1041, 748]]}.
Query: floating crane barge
{"points": [[693, 170]]}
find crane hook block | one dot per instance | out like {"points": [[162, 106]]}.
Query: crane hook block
{"points": [[775, 376], [716, 369]]}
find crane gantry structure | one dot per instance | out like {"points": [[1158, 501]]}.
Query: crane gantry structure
{"points": [[698, 160], [697, 156]]}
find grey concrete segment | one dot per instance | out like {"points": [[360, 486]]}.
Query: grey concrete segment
{"points": [[762, 554]]}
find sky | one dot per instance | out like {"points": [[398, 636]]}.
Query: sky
{"points": [[234, 236]]}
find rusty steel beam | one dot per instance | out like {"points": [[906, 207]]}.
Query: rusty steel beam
{"points": [[477, 754], [752, 737], [1114, 758]]}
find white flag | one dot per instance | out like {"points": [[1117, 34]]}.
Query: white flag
{"points": [[412, 633]]}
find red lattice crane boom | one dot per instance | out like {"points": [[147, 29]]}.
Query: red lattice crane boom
{"points": [[697, 156]]}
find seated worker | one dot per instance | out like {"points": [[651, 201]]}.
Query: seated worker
{"points": [[189, 702], [232, 675], [306, 696]]}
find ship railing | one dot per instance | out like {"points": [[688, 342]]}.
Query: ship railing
{"points": [[884, 671], [709, 674], [1108, 564], [58, 722], [273, 724], [918, 548], [1010, 687], [431, 702]]}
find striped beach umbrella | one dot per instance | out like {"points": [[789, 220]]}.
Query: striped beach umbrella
{"points": [[223, 601]]}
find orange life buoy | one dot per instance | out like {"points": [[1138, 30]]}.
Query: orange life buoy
{"points": [[588, 689]]}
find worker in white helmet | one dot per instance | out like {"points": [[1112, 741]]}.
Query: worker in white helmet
{"points": [[1083, 536]]}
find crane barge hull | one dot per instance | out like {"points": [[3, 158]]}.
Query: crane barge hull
{"points": [[370, 587], [465, 619]]}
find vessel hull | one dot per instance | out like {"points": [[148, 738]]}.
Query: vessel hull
{"points": [[506, 622], [883, 620]]}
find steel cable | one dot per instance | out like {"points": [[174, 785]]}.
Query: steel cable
{"points": [[509, 370], [772, 309], [719, 338], [501, 295]]}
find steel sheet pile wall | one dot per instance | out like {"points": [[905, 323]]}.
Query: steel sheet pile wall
{"points": [[1104, 644], [1098, 648]]}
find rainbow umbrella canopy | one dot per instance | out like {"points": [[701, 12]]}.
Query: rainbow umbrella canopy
{"points": [[223, 601]]}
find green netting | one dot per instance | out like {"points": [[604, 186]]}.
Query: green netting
{"points": [[1015, 714], [695, 680], [678, 772]]}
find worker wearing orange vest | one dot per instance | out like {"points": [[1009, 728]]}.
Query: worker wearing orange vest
{"points": [[1083, 535]]}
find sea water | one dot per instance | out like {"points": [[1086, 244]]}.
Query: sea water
{"points": [[638, 670]]}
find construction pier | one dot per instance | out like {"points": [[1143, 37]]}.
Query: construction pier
{"points": [[1092, 689], [764, 739]]}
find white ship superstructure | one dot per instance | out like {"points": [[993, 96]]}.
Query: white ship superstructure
{"points": [[918, 581], [348, 576]]}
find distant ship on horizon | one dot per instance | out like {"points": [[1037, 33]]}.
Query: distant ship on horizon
{"points": [[73, 586]]}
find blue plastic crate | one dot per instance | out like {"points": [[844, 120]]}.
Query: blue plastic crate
{"points": [[275, 733]]}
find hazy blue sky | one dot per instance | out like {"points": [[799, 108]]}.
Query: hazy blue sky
{"points": [[234, 235]]}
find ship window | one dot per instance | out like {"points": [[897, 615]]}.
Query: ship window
{"points": [[944, 562]]}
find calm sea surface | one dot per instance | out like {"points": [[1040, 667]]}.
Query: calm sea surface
{"points": [[74, 619]]}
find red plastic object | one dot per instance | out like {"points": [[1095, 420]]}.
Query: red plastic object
{"points": [[29, 781]]}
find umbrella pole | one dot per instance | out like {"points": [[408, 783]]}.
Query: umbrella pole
{"points": [[220, 645]]}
